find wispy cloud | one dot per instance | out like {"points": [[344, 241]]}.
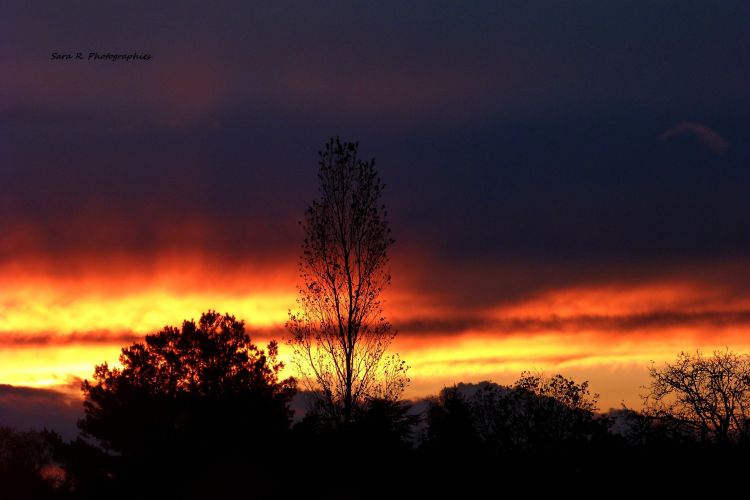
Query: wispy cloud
{"points": [[702, 134]]}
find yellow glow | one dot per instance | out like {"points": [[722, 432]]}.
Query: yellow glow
{"points": [[144, 311], [47, 305], [52, 366], [616, 368], [57, 366]]}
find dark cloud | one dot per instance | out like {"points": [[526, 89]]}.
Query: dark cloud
{"points": [[491, 281], [505, 132], [703, 134], [31, 408], [431, 326], [600, 323], [20, 339]]}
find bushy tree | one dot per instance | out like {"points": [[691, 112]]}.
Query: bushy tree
{"points": [[553, 412], [188, 399]]}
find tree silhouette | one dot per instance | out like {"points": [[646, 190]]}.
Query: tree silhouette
{"points": [[709, 396], [27, 468], [377, 443], [574, 396], [339, 335], [186, 398], [385, 426], [450, 423], [537, 414]]}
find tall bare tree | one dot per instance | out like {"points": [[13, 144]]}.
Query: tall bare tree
{"points": [[338, 333], [708, 396]]}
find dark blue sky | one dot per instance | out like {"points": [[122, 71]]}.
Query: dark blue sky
{"points": [[515, 131]]}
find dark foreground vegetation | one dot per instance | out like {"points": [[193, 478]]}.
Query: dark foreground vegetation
{"points": [[200, 412]]}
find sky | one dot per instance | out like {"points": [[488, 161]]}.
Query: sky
{"points": [[567, 182]]}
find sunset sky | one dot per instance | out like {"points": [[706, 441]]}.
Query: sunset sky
{"points": [[568, 183]]}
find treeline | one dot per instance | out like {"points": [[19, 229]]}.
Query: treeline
{"points": [[200, 412]]}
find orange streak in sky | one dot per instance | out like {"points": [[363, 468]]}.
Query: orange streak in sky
{"points": [[54, 326]]}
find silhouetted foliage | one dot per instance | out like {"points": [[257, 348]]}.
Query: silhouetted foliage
{"points": [[365, 458], [707, 396], [339, 335], [450, 423], [189, 401], [477, 436], [543, 435], [385, 426], [551, 413], [88, 470], [537, 414], [642, 430], [27, 466]]}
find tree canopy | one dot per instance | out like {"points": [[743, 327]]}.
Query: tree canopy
{"points": [[187, 395]]}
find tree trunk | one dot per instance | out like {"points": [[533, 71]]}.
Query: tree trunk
{"points": [[348, 393]]}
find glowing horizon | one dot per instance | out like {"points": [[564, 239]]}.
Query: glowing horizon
{"points": [[54, 329]]}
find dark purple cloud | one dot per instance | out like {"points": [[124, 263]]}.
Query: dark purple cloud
{"points": [[523, 132], [615, 324], [31, 408]]}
